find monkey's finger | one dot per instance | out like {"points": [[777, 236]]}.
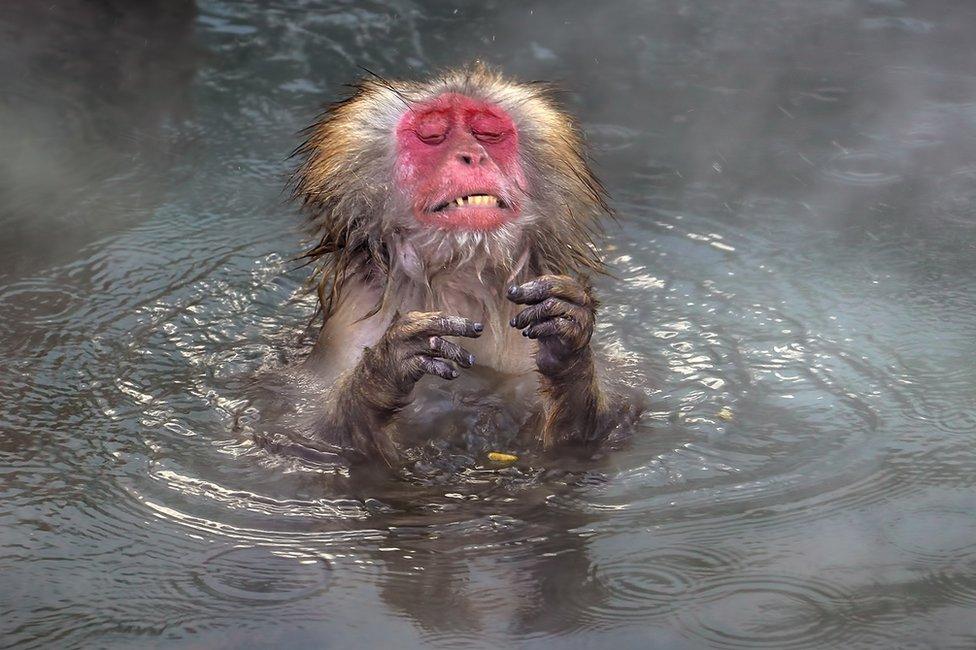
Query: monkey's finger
{"points": [[437, 367], [453, 326], [546, 309], [435, 323], [546, 286], [449, 350], [561, 327]]}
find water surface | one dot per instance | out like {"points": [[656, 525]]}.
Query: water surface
{"points": [[794, 261]]}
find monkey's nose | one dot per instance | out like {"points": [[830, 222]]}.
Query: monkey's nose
{"points": [[472, 159]]}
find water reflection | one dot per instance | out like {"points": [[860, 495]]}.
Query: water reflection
{"points": [[793, 272]]}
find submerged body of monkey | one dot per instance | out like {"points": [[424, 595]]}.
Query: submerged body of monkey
{"points": [[461, 208]]}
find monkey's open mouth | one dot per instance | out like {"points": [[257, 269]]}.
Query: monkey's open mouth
{"points": [[476, 211], [473, 200]]}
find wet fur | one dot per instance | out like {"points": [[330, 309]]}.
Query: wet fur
{"points": [[373, 261], [360, 225]]}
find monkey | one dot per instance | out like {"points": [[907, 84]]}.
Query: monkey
{"points": [[453, 224]]}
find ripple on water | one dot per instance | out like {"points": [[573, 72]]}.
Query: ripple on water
{"points": [[942, 408], [262, 575], [252, 505], [863, 168], [767, 611], [956, 197], [937, 534], [635, 588], [954, 586], [36, 301]]}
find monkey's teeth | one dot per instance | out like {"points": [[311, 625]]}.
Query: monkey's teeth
{"points": [[482, 200], [486, 200]]}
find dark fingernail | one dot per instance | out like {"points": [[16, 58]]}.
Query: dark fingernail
{"points": [[525, 332], [512, 322], [478, 327], [470, 359], [454, 374], [512, 291]]}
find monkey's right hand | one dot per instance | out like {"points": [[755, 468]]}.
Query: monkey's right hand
{"points": [[367, 398], [414, 346]]}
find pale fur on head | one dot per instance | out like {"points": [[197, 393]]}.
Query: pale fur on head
{"points": [[360, 224]]}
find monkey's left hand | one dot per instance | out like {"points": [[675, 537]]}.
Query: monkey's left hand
{"points": [[560, 317]]}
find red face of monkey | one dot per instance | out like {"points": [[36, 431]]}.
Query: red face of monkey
{"points": [[458, 160]]}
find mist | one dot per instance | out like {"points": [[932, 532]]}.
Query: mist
{"points": [[791, 289]]}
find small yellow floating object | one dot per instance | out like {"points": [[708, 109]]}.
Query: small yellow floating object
{"points": [[499, 457], [725, 414]]}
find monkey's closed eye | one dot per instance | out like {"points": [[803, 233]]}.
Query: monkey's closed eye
{"points": [[491, 137], [431, 138], [432, 127]]}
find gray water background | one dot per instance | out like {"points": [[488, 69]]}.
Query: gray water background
{"points": [[796, 189]]}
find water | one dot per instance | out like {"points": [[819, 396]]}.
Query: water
{"points": [[794, 261]]}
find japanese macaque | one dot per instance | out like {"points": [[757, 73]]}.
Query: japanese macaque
{"points": [[452, 224]]}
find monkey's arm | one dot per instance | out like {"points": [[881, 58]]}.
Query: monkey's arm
{"points": [[364, 399], [561, 315]]}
